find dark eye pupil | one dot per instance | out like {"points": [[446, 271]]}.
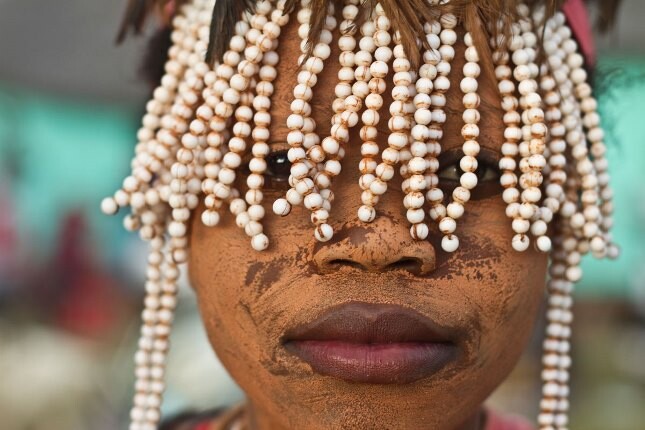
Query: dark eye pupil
{"points": [[278, 165]]}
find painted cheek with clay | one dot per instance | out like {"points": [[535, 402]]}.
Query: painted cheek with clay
{"points": [[486, 291]]}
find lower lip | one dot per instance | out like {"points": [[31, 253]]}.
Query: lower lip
{"points": [[385, 363]]}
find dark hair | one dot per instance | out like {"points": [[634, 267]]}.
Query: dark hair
{"points": [[407, 16]]}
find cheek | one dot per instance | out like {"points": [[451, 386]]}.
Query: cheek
{"points": [[508, 287], [229, 279]]}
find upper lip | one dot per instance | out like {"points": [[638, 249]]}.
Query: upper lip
{"points": [[367, 323]]}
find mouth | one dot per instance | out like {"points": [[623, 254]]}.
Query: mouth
{"points": [[373, 343]]}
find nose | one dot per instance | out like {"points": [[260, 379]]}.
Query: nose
{"points": [[385, 244]]}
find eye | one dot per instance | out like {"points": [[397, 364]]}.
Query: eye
{"points": [[487, 178], [485, 172], [278, 166]]}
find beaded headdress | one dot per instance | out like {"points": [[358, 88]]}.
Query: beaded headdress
{"points": [[207, 117]]}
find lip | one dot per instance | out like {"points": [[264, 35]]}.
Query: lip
{"points": [[373, 343]]}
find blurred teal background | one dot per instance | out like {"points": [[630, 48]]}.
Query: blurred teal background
{"points": [[71, 279]]}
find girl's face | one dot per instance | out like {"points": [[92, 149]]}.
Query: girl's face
{"points": [[372, 329]]}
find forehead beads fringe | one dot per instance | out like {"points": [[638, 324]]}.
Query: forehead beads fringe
{"points": [[203, 121]]}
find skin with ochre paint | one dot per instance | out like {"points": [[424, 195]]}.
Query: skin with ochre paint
{"points": [[485, 293]]}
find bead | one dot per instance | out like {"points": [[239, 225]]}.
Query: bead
{"points": [[324, 232], [447, 225], [366, 213], [109, 206], [544, 243], [210, 218], [520, 242], [450, 243], [574, 274], [260, 242], [281, 207]]}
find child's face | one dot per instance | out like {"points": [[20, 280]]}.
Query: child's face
{"points": [[479, 302]]}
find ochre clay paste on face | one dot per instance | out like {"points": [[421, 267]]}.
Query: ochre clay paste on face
{"points": [[488, 293]]}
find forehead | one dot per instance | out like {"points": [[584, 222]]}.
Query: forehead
{"points": [[491, 124]]}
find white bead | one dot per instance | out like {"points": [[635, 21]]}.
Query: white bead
{"points": [[260, 242], [324, 232], [416, 216], [281, 207], [177, 229], [378, 187], [520, 242], [366, 213], [544, 243], [109, 206], [468, 180], [521, 225], [313, 201], [455, 210], [468, 85], [210, 218], [419, 231], [253, 228], [450, 243], [574, 274], [447, 225]]}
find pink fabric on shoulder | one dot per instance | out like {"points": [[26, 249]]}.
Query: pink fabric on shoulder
{"points": [[495, 421], [578, 19]]}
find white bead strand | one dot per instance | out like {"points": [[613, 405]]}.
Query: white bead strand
{"points": [[328, 155], [399, 123], [362, 91], [262, 121], [249, 217], [147, 336], [534, 132], [556, 161], [470, 147], [301, 126], [376, 70], [229, 89], [596, 196], [585, 221], [217, 83], [423, 160], [185, 184], [161, 344], [441, 85], [520, 213], [151, 151], [557, 176], [556, 359]]}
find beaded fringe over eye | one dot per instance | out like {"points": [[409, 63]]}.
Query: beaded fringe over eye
{"points": [[203, 121]]}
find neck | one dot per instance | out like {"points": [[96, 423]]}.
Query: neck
{"points": [[254, 418]]}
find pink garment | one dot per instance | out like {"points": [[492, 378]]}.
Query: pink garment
{"points": [[578, 19], [495, 421]]}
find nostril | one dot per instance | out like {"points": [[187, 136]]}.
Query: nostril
{"points": [[340, 262], [410, 264]]}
